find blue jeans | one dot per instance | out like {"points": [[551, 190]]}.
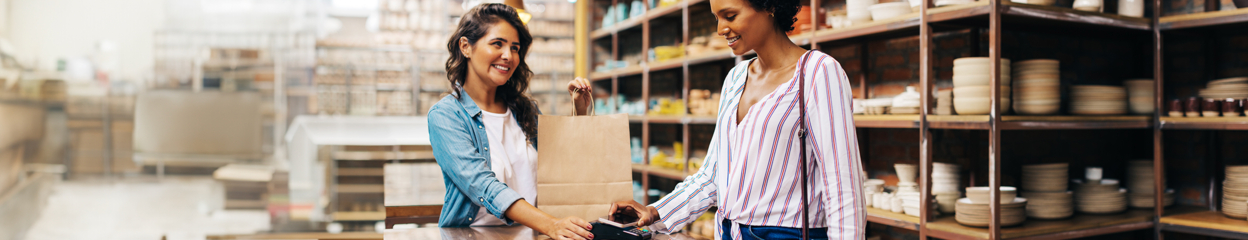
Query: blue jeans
{"points": [[768, 233]]}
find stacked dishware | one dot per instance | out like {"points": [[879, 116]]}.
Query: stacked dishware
{"points": [[1143, 195], [858, 11], [971, 90], [906, 103], [945, 183], [1098, 100], [1037, 2], [1235, 192], [870, 188], [1045, 190], [974, 209], [1236, 88], [1103, 196], [882, 11], [944, 102], [1140, 96], [1037, 87]]}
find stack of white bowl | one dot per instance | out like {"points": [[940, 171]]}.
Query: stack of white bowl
{"points": [[971, 92], [1140, 96], [973, 210], [1140, 175], [945, 185], [906, 103], [1046, 194], [870, 188], [1037, 87], [1236, 87], [1102, 196], [859, 11], [1235, 192], [889, 10], [1098, 100]]}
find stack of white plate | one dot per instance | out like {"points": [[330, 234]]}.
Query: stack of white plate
{"points": [[1046, 177], [909, 202], [870, 188], [1235, 192], [859, 11], [1037, 87], [945, 185], [944, 102], [971, 92], [1236, 88], [1140, 93], [1098, 100], [977, 214], [1100, 197], [1049, 205], [1141, 184]]}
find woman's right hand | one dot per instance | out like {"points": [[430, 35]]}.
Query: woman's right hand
{"points": [[571, 228], [645, 215]]}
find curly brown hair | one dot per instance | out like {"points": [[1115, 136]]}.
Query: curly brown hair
{"points": [[473, 26], [784, 12]]}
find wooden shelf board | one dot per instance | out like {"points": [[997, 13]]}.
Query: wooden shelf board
{"points": [[1207, 220], [619, 26], [318, 236], [1080, 225], [1203, 19], [361, 188], [656, 13], [358, 216], [890, 218], [362, 172], [1023, 122], [599, 76], [660, 172], [668, 119], [380, 156], [886, 121], [1203, 123], [1047, 15], [636, 118], [711, 56], [896, 25], [665, 65]]}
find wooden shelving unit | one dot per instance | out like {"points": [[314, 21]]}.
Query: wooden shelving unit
{"points": [[991, 16]]}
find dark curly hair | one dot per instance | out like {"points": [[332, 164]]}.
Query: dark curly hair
{"points": [[784, 11], [474, 25]]}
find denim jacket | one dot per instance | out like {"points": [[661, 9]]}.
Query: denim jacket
{"points": [[461, 149]]}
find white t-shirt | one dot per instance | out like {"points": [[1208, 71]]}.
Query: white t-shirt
{"points": [[512, 159]]}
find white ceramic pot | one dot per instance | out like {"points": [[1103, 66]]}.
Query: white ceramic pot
{"points": [[1088, 5], [897, 205], [1131, 8]]}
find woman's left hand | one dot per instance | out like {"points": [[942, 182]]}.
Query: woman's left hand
{"points": [[582, 94]]}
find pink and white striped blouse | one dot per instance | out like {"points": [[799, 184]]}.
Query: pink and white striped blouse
{"points": [[751, 169]]}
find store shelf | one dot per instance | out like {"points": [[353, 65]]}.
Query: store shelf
{"points": [[1204, 19], [660, 172], [360, 188], [886, 217], [1039, 17], [886, 121], [1021, 122], [358, 216], [622, 72], [905, 25], [361, 172], [663, 119], [1203, 123], [650, 14], [1080, 225], [318, 236], [1207, 223]]}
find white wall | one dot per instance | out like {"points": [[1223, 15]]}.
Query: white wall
{"points": [[45, 30]]}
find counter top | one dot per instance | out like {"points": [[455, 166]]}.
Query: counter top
{"points": [[513, 232]]}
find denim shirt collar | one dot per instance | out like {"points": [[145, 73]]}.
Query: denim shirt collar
{"points": [[466, 101]]}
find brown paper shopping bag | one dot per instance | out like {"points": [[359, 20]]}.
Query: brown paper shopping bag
{"points": [[583, 165]]}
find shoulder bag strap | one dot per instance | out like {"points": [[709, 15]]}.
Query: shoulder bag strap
{"points": [[801, 133]]}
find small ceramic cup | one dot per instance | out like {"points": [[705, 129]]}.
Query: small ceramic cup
{"points": [[1211, 108], [1193, 106], [1231, 108], [1176, 108]]}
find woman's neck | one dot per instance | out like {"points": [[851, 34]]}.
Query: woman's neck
{"points": [[777, 53], [482, 94]]}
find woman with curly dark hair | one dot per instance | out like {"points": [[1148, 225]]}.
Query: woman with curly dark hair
{"points": [[775, 106], [484, 134]]}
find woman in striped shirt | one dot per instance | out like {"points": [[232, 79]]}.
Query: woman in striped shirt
{"points": [[751, 171]]}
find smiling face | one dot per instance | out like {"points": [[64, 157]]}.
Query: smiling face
{"points": [[493, 58], [743, 26]]}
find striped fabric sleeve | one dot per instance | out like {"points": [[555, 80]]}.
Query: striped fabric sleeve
{"points": [[835, 148], [689, 199]]}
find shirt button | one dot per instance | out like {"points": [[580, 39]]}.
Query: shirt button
{"points": [[480, 126], [469, 219], [487, 148]]}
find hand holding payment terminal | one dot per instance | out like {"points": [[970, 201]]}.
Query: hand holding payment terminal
{"points": [[606, 229]]}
